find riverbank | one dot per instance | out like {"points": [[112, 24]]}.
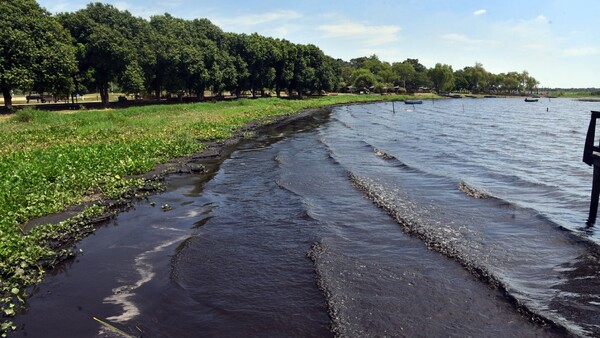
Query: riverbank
{"points": [[227, 254], [100, 160]]}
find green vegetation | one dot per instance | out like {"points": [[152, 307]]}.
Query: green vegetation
{"points": [[51, 160], [35, 53], [574, 92], [102, 49]]}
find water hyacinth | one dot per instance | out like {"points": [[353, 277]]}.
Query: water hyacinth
{"points": [[52, 160]]}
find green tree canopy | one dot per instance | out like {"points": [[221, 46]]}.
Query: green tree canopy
{"points": [[442, 77], [109, 50], [35, 53], [363, 78]]}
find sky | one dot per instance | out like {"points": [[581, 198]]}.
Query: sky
{"points": [[556, 41]]}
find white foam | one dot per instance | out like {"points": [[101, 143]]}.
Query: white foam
{"points": [[123, 294]]}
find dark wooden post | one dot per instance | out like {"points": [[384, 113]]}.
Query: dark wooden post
{"points": [[592, 159]]}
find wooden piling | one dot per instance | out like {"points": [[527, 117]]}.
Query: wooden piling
{"points": [[590, 157]]}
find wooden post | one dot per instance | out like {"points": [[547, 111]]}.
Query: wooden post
{"points": [[592, 159], [595, 194]]}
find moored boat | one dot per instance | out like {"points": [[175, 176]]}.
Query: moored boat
{"points": [[413, 101], [530, 100]]}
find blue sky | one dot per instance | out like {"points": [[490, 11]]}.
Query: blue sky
{"points": [[556, 41]]}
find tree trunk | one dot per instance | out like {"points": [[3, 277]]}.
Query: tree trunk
{"points": [[157, 90], [200, 93], [104, 94], [7, 98], [277, 90]]}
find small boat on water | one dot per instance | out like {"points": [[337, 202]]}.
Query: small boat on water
{"points": [[490, 96], [531, 100], [413, 101]]}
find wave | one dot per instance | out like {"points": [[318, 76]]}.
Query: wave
{"points": [[472, 191], [315, 254], [445, 240], [383, 155], [343, 123]]}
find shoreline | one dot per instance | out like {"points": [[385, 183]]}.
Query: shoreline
{"points": [[80, 225], [219, 152], [215, 150]]}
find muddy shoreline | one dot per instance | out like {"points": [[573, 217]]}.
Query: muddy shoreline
{"points": [[202, 166], [214, 153], [205, 165]]}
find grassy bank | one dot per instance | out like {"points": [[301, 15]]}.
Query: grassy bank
{"points": [[50, 160]]}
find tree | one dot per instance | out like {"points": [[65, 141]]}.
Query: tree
{"points": [[511, 82], [477, 77], [107, 35], [282, 64], [34, 51], [260, 63], [419, 78], [460, 80], [442, 77], [234, 44], [528, 82], [363, 78], [302, 72], [132, 79], [405, 73], [419, 68]]}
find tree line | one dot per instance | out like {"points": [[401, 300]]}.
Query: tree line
{"points": [[101, 47]]}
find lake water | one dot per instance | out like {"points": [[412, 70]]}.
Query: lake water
{"points": [[367, 220]]}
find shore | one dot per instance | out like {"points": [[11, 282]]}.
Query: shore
{"points": [[42, 242], [202, 249]]}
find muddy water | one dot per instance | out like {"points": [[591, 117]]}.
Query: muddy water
{"points": [[320, 229]]}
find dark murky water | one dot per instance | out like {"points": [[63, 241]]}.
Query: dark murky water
{"points": [[286, 238]]}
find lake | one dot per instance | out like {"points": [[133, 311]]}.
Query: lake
{"points": [[455, 217]]}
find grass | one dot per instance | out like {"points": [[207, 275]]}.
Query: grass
{"points": [[51, 160]]}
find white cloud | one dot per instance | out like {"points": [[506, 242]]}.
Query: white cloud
{"points": [[62, 6], [535, 34], [461, 38], [479, 12], [581, 51], [284, 31], [122, 6], [258, 19], [540, 19], [365, 34], [170, 4]]}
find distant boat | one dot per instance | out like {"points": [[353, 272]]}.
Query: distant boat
{"points": [[413, 102], [490, 96], [531, 100], [455, 96]]}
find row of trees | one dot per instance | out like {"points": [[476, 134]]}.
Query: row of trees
{"points": [[410, 75], [100, 46]]}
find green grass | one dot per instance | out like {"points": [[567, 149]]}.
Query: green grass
{"points": [[573, 93], [51, 160]]}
